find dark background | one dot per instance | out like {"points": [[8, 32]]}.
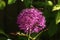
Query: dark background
{"points": [[8, 17]]}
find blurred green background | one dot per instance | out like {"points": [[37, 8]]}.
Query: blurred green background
{"points": [[10, 10]]}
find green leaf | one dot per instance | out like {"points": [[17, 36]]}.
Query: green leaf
{"points": [[27, 3], [58, 1], [56, 7], [58, 14], [52, 28], [11, 1], [58, 17], [2, 4]]}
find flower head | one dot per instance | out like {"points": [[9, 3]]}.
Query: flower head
{"points": [[31, 19]]}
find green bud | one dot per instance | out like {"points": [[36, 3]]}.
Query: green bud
{"points": [[50, 3]]}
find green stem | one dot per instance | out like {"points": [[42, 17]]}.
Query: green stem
{"points": [[29, 37], [29, 34], [37, 35]]}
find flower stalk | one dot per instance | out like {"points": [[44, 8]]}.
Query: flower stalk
{"points": [[31, 20], [37, 35]]}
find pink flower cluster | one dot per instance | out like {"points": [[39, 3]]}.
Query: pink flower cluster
{"points": [[31, 19]]}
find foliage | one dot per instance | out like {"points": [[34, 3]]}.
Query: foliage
{"points": [[11, 1], [50, 10], [2, 4]]}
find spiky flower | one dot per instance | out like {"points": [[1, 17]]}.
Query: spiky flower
{"points": [[31, 19]]}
